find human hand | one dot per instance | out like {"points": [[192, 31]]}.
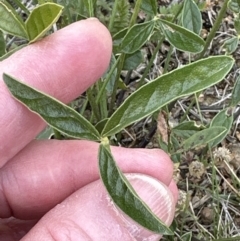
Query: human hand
{"points": [[50, 190]]}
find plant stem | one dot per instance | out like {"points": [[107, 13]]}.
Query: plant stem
{"points": [[103, 87], [122, 56], [102, 101], [135, 13], [92, 102], [187, 111], [196, 95], [90, 8], [114, 11], [84, 106], [214, 29], [57, 134], [69, 17], [114, 93], [166, 64], [156, 51]]}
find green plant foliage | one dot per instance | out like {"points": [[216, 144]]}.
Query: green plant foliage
{"points": [[124, 195], [203, 137], [236, 238], [224, 120], [230, 45], [17, 4], [44, 1], [41, 20], [149, 7], [122, 16], [237, 25], [174, 147], [117, 39], [133, 60], [187, 236], [10, 22], [172, 10], [236, 93], [181, 38], [186, 129], [90, 5], [56, 114], [136, 37], [2, 44], [110, 76], [100, 125], [191, 16], [46, 133], [152, 96], [72, 12], [234, 5]]}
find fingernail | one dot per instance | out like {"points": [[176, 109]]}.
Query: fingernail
{"points": [[158, 197]]}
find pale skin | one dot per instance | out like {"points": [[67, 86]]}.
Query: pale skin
{"points": [[50, 190]]}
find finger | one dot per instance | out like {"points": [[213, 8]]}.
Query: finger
{"points": [[174, 190], [89, 214], [63, 65], [13, 229], [46, 172]]}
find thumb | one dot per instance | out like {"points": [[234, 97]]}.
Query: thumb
{"points": [[89, 214]]}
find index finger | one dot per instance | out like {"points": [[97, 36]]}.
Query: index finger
{"points": [[63, 65]]}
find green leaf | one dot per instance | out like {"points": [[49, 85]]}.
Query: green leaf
{"points": [[231, 45], [191, 16], [175, 146], [100, 125], [171, 10], [181, 38], [186, 129], [236, 93], [136, 37], [90, 5], [117, 39], [111, 74], [224, 120], [149, 7], [203, 137], [133, 60], [41, 20], [46, 133], [237, 25], [124, 195], [56, 114], [44, 1], [10, 22], [187, 236], [161, 91], [121, 17], [234, 5], [235, 238], [2, 44]]}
